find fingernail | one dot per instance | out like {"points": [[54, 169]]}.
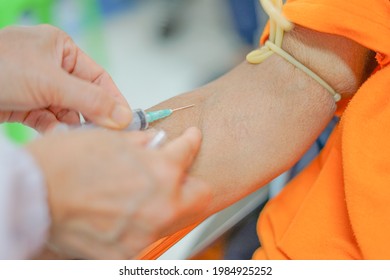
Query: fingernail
{"points": [[121, 115], [158, 139]]}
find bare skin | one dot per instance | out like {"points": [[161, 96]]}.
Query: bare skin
{"points": [[118, 196], [258, 120], [46, 79]]}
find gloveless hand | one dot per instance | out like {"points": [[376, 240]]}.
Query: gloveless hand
{"points": [[46, 79], [110, 196]]}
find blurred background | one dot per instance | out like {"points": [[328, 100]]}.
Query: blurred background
{"points": [[153, 49]]}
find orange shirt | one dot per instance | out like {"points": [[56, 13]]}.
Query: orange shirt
{"points": [[339, 206]]}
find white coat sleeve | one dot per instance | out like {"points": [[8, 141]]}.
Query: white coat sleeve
{"points": [[24, 213]]}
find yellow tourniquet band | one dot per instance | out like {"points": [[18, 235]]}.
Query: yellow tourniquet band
{"points": [[278, 25]]}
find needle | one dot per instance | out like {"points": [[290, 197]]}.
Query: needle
{"points": [[161, 114], [184, 107]]}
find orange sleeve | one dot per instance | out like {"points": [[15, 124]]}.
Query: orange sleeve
{"points": [[366, 22], [366, 165], [338, 207]]}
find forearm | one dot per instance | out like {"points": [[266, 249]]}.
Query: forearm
{"points": [[257, 121], [255, 125]]}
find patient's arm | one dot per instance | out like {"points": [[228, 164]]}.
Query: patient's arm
{"points": [[258, 120]]}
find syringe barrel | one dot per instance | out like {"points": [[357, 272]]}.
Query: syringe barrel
{"points": [[139, 121]]}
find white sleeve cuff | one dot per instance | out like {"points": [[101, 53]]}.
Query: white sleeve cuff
{"points": [[24, 212]]}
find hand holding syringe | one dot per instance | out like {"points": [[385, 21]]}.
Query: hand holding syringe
{"points": [[141, 120]]}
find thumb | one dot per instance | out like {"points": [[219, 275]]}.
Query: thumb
{"points": [[184, 148], [91, 101]]}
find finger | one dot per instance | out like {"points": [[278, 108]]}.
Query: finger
{"points": [[140, 137], [12, 116], [134, 241], [69, 117], [83, 246], [66, 116], [194, 197], [41, 120], [77, 63], [183, 149], [4, 116], [90, 100]]}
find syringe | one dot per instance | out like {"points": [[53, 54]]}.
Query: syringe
{"points": [[142, 119]]}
